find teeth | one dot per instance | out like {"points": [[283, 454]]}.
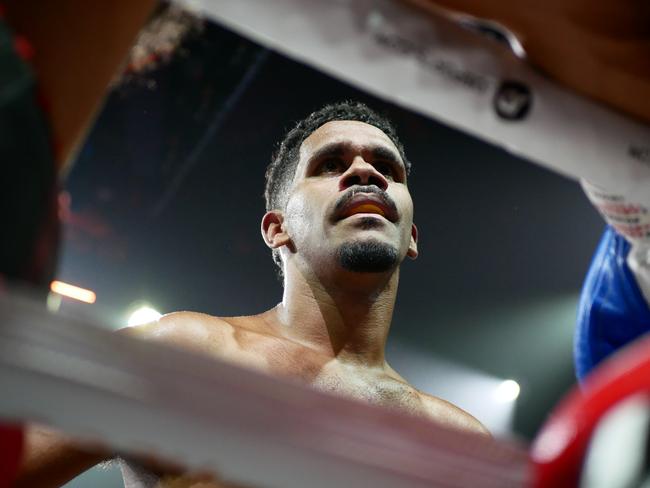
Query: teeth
{"points": [[367, 208]]}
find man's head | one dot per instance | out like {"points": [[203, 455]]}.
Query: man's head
{"points": [[336, 192]]}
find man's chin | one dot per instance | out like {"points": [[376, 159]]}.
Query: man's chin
{"points": [[368, 256]]}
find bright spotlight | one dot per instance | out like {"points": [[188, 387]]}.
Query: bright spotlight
{"points": [[74, 292], [507, 391], [143, 315]]}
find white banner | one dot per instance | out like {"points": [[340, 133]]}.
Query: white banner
{"points": [[441, 70]]}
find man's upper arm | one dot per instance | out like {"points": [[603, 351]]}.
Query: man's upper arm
{"points": [[51, 459], [452, 416]]}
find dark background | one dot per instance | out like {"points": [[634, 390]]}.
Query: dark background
{"points": [[166, 200]]}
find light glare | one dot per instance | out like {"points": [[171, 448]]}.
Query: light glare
{"points": [[143, 315], [507, 391], [73, 292]]}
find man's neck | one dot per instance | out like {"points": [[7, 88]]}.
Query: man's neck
{"points": [[347, 315]]}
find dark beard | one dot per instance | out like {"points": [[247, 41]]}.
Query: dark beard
{"points": [[367, 257]]}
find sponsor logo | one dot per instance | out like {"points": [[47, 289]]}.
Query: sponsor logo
{"points": [[640, 153], [512, 101], [429, 60]]}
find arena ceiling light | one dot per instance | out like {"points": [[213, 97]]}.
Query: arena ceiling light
{"points": [[74, 292], [507, 391]]}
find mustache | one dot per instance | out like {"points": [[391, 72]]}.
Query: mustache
{"points": [[349, 195]]}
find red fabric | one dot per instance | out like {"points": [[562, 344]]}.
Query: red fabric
{"points": [[11, 447], [23, 48]]}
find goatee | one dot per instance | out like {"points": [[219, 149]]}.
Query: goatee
{"points": [[367, 256]]}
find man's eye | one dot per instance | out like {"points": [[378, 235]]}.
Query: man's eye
{"points": [[385, 169], [330, 166]]}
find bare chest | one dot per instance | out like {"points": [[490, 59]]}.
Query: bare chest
{"points": [[288, 359], [373, 387]]}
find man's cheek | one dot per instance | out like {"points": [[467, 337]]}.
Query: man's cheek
{"points": [[298, 218]]}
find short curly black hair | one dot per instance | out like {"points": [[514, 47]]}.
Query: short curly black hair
{"points": [[281, 170]]}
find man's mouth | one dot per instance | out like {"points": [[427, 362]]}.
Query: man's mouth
{"points": [[366, 208], [367, 203]]}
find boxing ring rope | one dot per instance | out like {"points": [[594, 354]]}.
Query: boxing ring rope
{"points": [[206, 414], [434, 66]]}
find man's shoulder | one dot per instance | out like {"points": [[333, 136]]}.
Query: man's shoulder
{"points": [[190, 330], [176, 324], [451, 415]]}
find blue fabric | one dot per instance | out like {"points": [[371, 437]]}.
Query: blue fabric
{"points": [[612, 311]]}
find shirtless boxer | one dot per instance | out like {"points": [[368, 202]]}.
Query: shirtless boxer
{"points": [[339, 222]]}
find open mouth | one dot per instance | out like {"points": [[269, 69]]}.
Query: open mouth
{"points": [[366, 208], [368, 205]]}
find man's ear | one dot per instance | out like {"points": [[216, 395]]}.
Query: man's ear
{"points": [[273, 230], [413, 245]]}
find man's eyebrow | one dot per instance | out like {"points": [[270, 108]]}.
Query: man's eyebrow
{"points": [[333, 149], [382, 152], [338, 149]]}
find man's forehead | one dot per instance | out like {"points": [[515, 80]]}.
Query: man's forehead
{"points": [[349, 132]]}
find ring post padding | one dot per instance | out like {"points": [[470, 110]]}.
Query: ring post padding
{"points": [[559, 449]]}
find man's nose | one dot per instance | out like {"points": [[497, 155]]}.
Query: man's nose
{"points": [[360, 172]]}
